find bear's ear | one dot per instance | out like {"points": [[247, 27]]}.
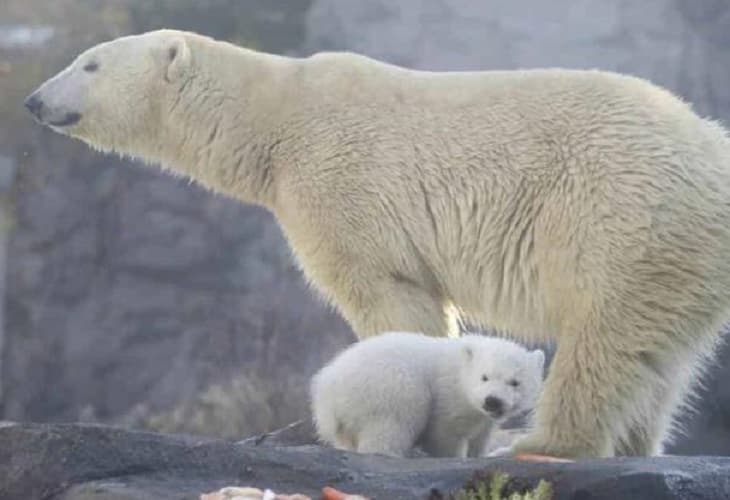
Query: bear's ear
{"points": [[468, 352], [177, 58], [538, 357]]}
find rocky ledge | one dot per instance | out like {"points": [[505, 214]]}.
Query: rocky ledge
{"points": [[69, 461]]}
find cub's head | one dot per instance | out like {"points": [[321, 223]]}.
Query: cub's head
{"points": [[499, 377], [113, 94]]}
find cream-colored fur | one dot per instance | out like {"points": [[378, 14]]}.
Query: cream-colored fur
{"points": [[397, 390], [582, 206]]}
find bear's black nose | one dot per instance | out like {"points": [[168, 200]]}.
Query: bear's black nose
{"points": [[494, 406], [34, 104]]}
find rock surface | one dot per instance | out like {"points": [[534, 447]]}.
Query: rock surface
{"points": [[75, 462]]}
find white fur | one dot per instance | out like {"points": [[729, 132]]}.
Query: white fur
{"points": [[394, 391], [582, 206]]}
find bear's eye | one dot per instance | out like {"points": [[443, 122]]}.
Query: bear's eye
{"points": [[514, 383], [484, 378], [91, 67]]}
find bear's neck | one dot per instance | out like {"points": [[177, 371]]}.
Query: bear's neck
{"points": [[222, 127]]}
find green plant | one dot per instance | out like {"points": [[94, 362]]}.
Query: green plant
{"points": [[494, 490]]}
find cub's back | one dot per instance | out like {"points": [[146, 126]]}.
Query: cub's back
{"points": [[382, 358]]}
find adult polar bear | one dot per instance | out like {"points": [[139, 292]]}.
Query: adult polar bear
{"points": [[583, 206]]}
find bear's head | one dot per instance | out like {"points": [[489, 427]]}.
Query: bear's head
{"points": [[499, 377], [113, 95]]}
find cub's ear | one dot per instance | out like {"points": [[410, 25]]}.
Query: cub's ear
{"points": [[177, 57], [468, 352], [538, 357]]}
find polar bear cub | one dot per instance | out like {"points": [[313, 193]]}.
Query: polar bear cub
{"points": [[392, 392]]}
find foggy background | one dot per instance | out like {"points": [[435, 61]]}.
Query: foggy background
{"points": [[133, 298]]}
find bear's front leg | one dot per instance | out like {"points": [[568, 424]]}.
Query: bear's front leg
{"points": [[589, 398], [673, 379], [443, 438], [479, 443]]}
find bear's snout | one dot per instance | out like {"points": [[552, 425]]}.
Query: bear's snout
{"points": [[34, 104], [494, 406], [49, 114]]}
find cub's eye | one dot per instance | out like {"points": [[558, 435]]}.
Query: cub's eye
{"points": [[514, 383], [484, 378], [91, 67]]}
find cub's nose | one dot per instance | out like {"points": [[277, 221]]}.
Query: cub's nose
{"points": [[494, 406], [34, 104]]}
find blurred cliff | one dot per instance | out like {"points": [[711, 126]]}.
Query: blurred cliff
{"points": [[133, 297]]}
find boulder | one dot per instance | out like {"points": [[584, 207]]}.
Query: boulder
{"points": [[75, 462]]}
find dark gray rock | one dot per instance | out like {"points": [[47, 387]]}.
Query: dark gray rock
{"points": [[74, 462], [299, 433], [8, 170]]}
